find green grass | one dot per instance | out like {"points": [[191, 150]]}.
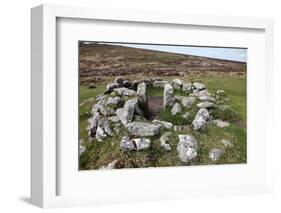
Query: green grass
{"points": [[101, 154]]}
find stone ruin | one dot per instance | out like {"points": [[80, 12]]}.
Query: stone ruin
{"points": [[124, 105]]}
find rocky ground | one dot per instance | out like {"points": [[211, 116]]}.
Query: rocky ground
{"points": [[98, 62], [155, 122]]}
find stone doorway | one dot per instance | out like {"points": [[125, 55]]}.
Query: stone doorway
{"points": [[155, 105]]}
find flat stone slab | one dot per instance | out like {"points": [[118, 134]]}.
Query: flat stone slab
{"points": [[143, 128]]}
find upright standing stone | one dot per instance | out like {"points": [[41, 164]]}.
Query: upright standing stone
{"points": [[168, 98], [126, 113], [142, 92]]}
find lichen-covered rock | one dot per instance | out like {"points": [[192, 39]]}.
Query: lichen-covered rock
{"points": [[125, 91], [206, 104], [159, 84], [188, 101], [199, 86], [220, 123], [127, 83], [82, 149], [207, 98], [164, 141], [199, 93], [139, 128], [177, 84], [226, 143], [120, 81], [165, 124], [134, 144], [215, 154], [93, 124], [176, 109], [201, 120], [114, 101], [203, 113], [142, 92], [127, 144], [186, 87], [199, 123], [168, 97], [126, 114], [102, 107], [111, 86], [103, 129], [187, 148], [141, 143]]}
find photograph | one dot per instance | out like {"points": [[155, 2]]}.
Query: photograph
{"points": [[161, 105]]}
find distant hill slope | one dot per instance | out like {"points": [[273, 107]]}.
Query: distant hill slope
{"points": [[100, 60]]}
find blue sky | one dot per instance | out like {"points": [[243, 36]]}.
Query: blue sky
{"points": [[235, 54]]}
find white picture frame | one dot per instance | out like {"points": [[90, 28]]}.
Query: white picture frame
{"points": [[44, 153]]}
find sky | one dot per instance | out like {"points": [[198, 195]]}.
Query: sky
{"points": [[234, 54]]}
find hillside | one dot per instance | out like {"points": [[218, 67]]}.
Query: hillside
{"points": [[98, 61]]}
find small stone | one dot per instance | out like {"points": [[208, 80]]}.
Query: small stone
{"points": [[166, 124], [186, 115], [220, 123], [111, 165], [187, 148], [215, 154], [115, 101], [206, 104], [199, 123], [207, 98], [201, 119], [82, 149], [159, 84], [176, 109], [125, 91], [164, 141], [119, 80], [199, 86], [226, 143], [181, 128], [177, 84], [127, 83], [134, 144], [111, 86], [127, 144], [203, 113], [188, 101], [93, 124], [141, 143], [186, 87], [103, 129], [220, 92]]}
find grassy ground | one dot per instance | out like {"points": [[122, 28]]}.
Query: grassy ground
{"points": [[101, 154]]}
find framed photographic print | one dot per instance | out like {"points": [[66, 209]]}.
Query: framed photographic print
{"points": [[130, 106]]}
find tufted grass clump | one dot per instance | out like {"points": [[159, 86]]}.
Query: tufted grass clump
{"points": [[225, 113], [177, 119]]}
